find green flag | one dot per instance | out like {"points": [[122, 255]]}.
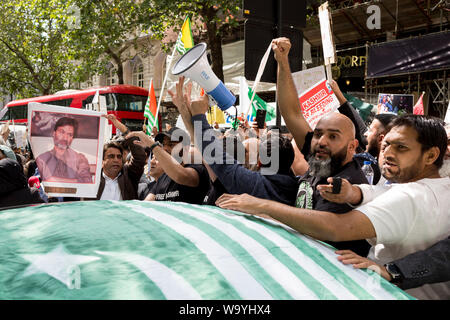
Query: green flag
{"points": [[259, 103], [164, 250]]}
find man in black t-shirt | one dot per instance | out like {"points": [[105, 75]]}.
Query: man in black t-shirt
{"points": [[180, 182], [329, 148]]}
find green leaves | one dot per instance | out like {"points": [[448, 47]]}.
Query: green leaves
{"points": [[35, 48]]}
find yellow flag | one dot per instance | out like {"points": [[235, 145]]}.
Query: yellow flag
{"points": [[185, 40]]}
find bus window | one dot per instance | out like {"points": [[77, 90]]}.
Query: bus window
{"points": [[18, 112], [61, 103], [130, 102], [110, 101], [6, 115]]}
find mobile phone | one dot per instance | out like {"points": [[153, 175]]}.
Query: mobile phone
{"points": [[260, 118]]}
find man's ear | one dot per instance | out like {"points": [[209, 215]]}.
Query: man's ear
{"points": [[431, 155], [353, 145], [380, 138]]}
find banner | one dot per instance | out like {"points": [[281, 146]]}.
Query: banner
{"points": [[110, 250], [317, 102], [395, 103], [425, 53], [67, 144]]}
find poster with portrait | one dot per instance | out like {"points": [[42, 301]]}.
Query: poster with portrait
{"points": [[395, 103], [67, 144]]}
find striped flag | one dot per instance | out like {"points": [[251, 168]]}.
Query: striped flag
{"points": [[245, 94], [259, 103], [166, 250], [150, 110], [185, 40]]}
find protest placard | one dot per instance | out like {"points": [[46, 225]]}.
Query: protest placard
{"points": [[68, 146], [305, 79], [318, 101]]}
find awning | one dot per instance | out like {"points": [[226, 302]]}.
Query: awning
{"points": [[425, 53]]}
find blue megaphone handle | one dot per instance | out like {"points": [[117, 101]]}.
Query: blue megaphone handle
{"points": [[222, 96]]}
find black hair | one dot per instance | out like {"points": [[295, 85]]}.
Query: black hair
{"points": [[385, 119], [237, 144], [285, 149], [430, 133], [66, 121], [112, 144]]}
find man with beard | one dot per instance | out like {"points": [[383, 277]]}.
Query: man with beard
{"points": [[63, 163], [329, 149], [408, 216]]}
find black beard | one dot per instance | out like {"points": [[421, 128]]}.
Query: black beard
{"points": [[374, 151], [328, 167]]}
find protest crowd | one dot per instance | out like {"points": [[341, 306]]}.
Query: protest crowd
{"points": [[395, 220]]}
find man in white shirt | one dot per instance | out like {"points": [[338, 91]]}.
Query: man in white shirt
{"points": [[412, 216], [120, 181]]}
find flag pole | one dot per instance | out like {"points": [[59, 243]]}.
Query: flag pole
{"points": [[148, 97], [161, 93]]}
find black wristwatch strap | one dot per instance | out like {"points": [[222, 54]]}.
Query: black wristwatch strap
{"points": [[157, 143], [395, 273]]}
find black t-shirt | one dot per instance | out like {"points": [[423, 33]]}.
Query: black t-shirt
{"points": [[165, 189], [216, 190], [308, 197]]}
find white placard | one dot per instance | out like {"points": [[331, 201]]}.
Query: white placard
{"points": [[69, 160], [329, 52], [306, 79]]}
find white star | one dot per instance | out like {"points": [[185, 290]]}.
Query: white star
{"points": [[57, 263]]}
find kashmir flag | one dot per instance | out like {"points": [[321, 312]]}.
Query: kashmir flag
{"points": [[259, 103], [418, 108], [108, 250], [245, 95], [150, 110], [185, 40]]}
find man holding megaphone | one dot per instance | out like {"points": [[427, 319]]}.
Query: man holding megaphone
{"points": [[274, 180]]}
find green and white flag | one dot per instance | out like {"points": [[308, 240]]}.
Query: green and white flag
{"points": [[259, 103], [162, 250]]}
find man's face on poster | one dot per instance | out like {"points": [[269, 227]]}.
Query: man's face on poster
{"points": [[63, 136]]}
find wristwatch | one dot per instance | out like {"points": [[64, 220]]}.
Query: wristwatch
{"points": [[394, 272], [157, 143]]}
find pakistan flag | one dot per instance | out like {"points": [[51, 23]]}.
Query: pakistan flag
{"points": [[259, 103], [162, 250]]}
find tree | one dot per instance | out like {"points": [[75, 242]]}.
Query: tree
{"points": [[35, 47], [109, 28], [216, 17]]}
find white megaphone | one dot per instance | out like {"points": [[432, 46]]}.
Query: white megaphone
{"points": [[194, 65]]}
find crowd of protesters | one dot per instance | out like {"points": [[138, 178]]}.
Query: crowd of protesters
{"points": [[309, 179]]}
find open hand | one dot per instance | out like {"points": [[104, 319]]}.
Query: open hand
{"points": [[144, 140], [358, 262], [344, 196]]}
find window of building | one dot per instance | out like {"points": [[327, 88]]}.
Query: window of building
{"points": [[111, 78], [138, 72]]}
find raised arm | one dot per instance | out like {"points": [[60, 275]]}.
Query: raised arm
{"points": [[181, 175], [287, 95], [116, 123]]}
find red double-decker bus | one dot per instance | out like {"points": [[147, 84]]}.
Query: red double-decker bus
{"points": [[125, 101]]}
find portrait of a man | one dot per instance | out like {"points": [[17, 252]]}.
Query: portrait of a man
{"points": [[62, 163]]}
